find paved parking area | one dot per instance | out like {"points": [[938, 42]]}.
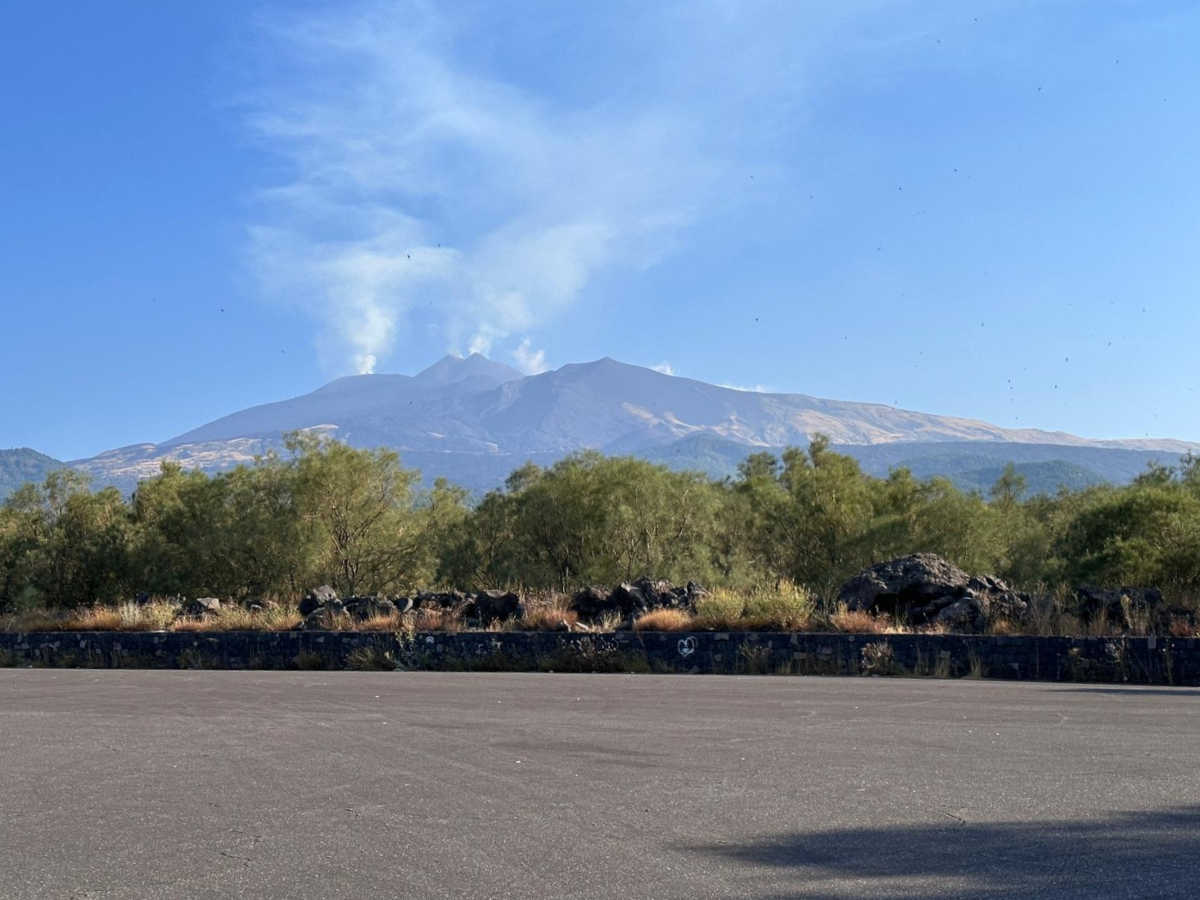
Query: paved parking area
{"points": [[314, 784]]}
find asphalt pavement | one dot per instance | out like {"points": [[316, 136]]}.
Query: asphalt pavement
{"points": [[319, 784]]}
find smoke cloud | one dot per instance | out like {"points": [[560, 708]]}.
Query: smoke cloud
{"points": [[426, 201]]}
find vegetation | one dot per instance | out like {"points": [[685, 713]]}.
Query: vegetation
{"points": [[773, 543]]}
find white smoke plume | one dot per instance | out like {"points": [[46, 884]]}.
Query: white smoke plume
{"points": [[425, 200]]}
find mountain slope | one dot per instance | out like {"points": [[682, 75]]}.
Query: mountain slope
{"points": [[21, 465], [356, 398], [473, 420]]}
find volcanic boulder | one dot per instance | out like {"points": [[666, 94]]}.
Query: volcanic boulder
{"points": [[198, 607], [362, 608], [486, 607], [925, 589], [317, 597]]}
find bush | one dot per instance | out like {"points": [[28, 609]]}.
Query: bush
{"points": [[721, 606], [789, 606]]}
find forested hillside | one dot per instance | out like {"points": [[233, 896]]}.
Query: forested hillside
{"points": [[21, 465], [324, 512]]}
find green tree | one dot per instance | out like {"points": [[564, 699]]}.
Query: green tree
{"points": [[64, 545], [357, 506]]}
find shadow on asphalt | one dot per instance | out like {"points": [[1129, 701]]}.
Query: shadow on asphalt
{"points": [[1151, 854], [1162, 691]]}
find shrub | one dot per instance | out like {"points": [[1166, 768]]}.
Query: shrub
{"points": [[370, 659], [788, 607], [722, 609], [878, 659]]}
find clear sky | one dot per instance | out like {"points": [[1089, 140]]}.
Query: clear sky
{"points": [[988, 209]]}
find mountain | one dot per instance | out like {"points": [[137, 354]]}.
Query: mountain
{"points": [[474, 420], [21, 465]]}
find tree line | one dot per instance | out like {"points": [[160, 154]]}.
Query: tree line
{"points": [[323, 512]]}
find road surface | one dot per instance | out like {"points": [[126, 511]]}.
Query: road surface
{"points": [[312, 784]]}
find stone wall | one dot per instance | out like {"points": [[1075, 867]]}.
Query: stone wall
{"points": [[1135, 660]]}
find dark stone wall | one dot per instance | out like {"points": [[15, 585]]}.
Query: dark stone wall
{"points": [[1134, 660]]}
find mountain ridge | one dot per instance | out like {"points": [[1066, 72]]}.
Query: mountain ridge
{"points": [[21, 465], [458, 412]]}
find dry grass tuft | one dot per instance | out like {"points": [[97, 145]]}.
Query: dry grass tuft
{"points": [[931, 628], [392, 622], [1180, 627], [187, 625], [97, 618], [370, 659], [879, 659], [1002, 627], [431, 619], [547, 612], [664, 620], [857, 621], [156, 615], [280, 617]]}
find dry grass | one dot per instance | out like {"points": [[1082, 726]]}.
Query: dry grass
{"points": [[879, 659], [234, 618], [549, 620], [370, 659], [126, 617], [100, 618], [782, 607], [1180, 627], [665, 620], [1002, 627], [546, 612], [932, 628], [857, 621], [153, 616], [431, 619], [392, 622]]}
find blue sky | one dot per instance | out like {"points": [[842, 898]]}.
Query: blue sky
{"points": [[984, 209]]}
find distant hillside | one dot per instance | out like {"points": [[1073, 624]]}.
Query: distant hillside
{"points": [[21, 465], [971, 466], [1040, 477], [473, 421]]}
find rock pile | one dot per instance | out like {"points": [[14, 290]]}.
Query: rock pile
{"points": [[322, 607], [924, 589], [629, 600], [1130, 609]]}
